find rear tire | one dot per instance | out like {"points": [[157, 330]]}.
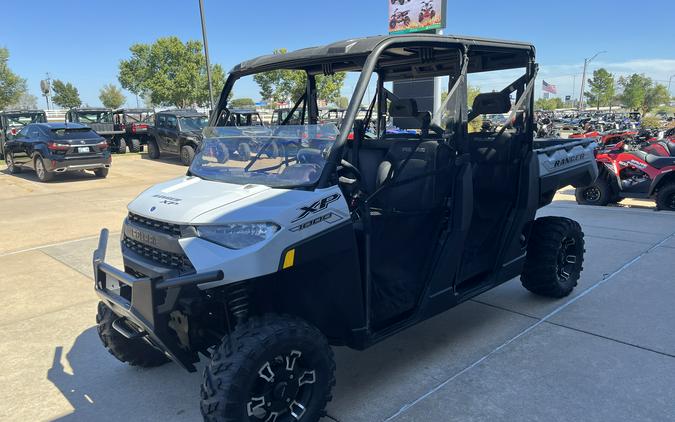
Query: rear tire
{"points": [[11, 167], [135, 352], [153, 149], [555, 257], [244, 152], [121, 146], [135, 145], [187, 154], [43, 174], [599, 193], [665, 198], [102, 172], [270, 364]]}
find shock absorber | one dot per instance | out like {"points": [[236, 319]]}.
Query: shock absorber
{"points": [[238, 304]]}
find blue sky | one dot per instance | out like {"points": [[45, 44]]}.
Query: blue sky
{"points": [[83, 41]]}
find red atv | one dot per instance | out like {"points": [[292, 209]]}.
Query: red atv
{"points": [[633, 169], [606, 138], [399, 17], [427, 11]]}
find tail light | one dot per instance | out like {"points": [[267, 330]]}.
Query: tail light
{"points": [[13, 131], [56, 146], [103, 145], [133, 128]]}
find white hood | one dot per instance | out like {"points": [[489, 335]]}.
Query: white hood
{"points": [[182, 200]]}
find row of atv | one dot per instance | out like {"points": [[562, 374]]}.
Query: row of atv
{"points": [[632, 165]]}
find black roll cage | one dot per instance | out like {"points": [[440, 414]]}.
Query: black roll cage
{"points": [[367, 63]]}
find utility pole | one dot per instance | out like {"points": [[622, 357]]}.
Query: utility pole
{"points": [[583, 79], [669, 81], [206, 51]]}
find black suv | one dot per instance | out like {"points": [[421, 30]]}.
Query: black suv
{"points": [[176, 132], [101, 121], [12, 121], [50, 148], [135, 122]]}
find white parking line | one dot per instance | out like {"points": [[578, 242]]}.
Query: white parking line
{"points": [[35, 248], [528, 329]]}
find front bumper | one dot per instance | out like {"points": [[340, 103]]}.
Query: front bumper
{"points": [[144, 308]]}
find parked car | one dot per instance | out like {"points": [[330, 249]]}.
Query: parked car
{"points": [[12, 121], [258, 267], [101, 121], [53, 148], [176, 132], [135, 123]]}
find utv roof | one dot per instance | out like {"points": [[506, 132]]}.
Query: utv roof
{"points": [[497, 54], [182, 113], [90, 109], [22, 112], [134, 110], [243, 111]]}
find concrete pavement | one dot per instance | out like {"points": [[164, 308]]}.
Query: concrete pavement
{"points": [[607, 352]]}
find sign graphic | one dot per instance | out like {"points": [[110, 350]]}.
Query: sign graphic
{"points": [[415, 15]]}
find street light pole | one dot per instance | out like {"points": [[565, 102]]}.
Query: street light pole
{"points": [[669, 81], [206, 51], [583, 79]]}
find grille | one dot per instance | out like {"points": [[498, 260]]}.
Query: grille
{"points": [[168, 259], [160, 226]]}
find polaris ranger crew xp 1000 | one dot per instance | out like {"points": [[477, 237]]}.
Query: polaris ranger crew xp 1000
{"points": [[345, 237]]}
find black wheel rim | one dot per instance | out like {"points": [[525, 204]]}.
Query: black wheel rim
{"points": [[40, 169], [282, 390], [592, 194], [567, 258]]}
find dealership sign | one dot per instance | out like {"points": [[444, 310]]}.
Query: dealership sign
{"points": [[416, 15]]}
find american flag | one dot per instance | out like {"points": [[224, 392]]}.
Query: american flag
{"points": [[547, 87]]}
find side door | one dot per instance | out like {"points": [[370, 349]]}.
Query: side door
{"points": [[172, 133], [19, 147], [160, 126]]}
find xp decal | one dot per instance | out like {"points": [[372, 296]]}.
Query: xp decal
{"points": [[329, 218], [317, 206]]}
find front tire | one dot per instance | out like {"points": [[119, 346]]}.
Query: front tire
{"points": [[11, 167], [153, 149], [187, 154], [135, 352], [269, 365], [599, 193], [665, 198], [555, 257]]}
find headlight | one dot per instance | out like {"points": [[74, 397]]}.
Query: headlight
{"points": [[190, 138], [238, 236]]}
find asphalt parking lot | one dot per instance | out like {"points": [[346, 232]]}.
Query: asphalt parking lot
{"points": [[606, 353]]}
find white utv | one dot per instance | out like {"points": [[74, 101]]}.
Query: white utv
{"points": [[347, 235]]}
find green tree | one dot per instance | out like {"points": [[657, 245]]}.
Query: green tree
{"points": [[11, 85], [342, 102], [283, 85], [24, 102], [602, 89], [548, 103], [170, 72], [242, 103], [65, 94], [111, 96], [640, 93]]}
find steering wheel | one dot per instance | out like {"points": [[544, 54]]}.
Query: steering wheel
{"points": [[346, 165]]}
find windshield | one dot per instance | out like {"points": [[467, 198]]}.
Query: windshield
{"points": [[276, 156], [95, 117], [14, 120], [70, 133], [193, 123]]}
